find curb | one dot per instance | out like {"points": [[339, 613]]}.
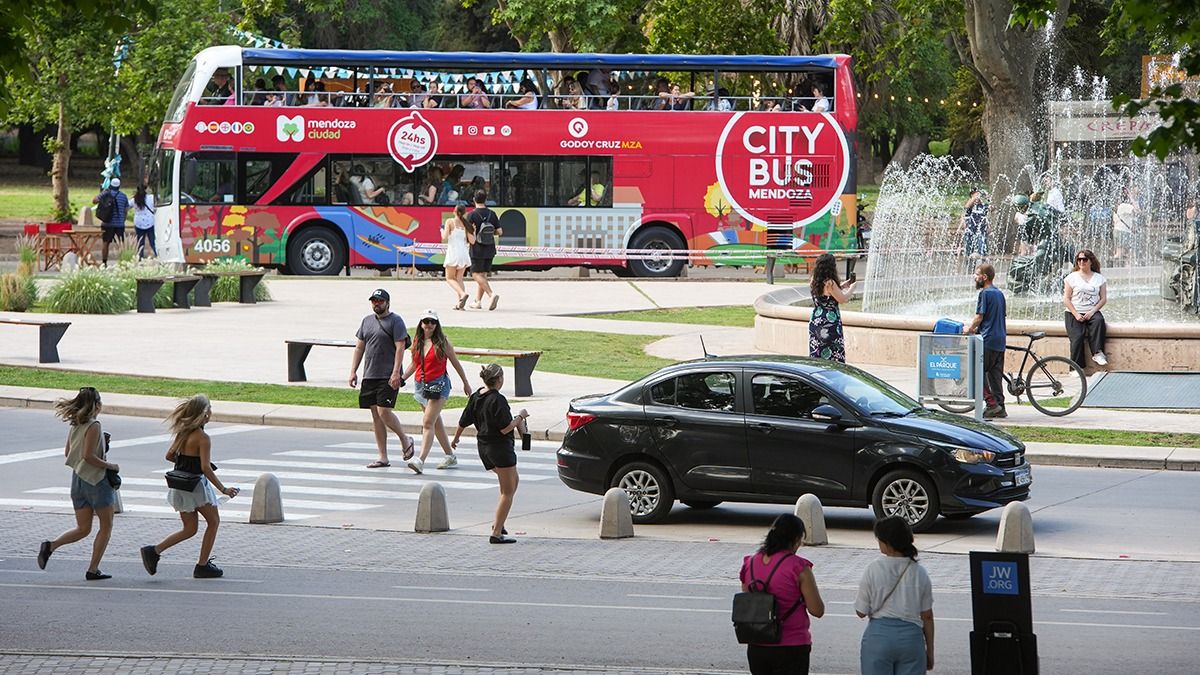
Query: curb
{"points": [[1052, 459]]}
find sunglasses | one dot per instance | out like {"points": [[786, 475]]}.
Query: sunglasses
{"points": [[429, 322], [1083, 259]]}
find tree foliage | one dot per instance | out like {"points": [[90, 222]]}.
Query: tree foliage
{"points": [[570, 25], [713, 27]]}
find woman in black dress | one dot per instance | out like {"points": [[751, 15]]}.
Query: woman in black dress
{"points": [[487, 409]]}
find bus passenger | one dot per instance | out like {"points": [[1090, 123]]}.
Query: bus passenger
{"points": [[719, 101], [368, 193], [820, 103], [597, 190], [279, 84], [260, 92], [433, 186], [614, 100], [314, 96], [528, 99], [219, 89], [662, 95], [476, 98], [679, 100], [432, 100], [449, 192], [597, 85], [574, 99]]}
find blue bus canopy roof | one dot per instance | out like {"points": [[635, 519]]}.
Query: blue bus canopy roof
{"points": [[345, 58]]}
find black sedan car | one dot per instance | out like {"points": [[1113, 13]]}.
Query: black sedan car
{"points": [[769, 429]]}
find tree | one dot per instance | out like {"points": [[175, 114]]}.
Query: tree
{"points": [[713, 26], [1175, 28], [570, 25]]}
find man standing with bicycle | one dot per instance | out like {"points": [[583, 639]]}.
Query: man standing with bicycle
{"points": [[989, 322]]}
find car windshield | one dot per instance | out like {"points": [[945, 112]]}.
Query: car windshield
{"points": [[870, 394]]}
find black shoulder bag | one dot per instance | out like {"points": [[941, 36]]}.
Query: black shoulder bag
{"points": [[113, 478], [430, 390], [755, 612]]}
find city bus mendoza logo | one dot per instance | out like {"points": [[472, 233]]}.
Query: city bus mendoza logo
{"points": [[289, 128], [412, 141], [777, 171]]}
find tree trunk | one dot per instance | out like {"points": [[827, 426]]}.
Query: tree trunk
{"points": [[560, 43], [60, 167], [1005, 62], [910, 145]]}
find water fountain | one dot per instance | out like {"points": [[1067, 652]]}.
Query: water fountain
{"points": [[919, 270]]}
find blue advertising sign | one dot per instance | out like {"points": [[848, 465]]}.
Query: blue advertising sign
{"points": [[944, 367], [1000, 578]]}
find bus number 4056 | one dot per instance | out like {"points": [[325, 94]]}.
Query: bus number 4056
{"points": [[213, 246]]}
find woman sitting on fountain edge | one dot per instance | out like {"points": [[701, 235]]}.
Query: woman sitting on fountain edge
{"points": [[1085, 291]]}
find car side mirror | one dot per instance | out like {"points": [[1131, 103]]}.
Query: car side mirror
{"points": [[826, 413]]}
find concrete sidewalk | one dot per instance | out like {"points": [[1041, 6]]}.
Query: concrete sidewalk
{"points": [[246, 343]]}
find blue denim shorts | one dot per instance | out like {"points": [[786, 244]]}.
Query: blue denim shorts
{"points": [[444, 380], [84, 495]]}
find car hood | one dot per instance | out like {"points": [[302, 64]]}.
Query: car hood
{"points": [[943, 427]]}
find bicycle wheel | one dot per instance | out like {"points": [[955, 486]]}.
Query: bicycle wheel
{"points": [[1055, 386], [952, 389]]}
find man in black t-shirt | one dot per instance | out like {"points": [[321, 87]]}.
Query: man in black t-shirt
{"points": [[485, 233]]}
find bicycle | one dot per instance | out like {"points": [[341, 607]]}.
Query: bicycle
{"points": [[1051, 378]]}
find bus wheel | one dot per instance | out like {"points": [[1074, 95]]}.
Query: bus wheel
{"points": [[655, 239], [316, 251]]}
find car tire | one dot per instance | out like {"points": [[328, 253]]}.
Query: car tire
{"points": [[651, 494], [908, 494], [655, 238], [699, 504]]}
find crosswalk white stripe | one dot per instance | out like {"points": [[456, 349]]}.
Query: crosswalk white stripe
{"points": [[162, 496], [540, 448], [226, 513], [368, 456], [300, 489], [368, 480], [357, 468], [126, 443]]}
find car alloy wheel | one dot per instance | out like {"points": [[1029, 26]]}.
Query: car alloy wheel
{"points": [[651, 495], [909, 495], [642, 490]]}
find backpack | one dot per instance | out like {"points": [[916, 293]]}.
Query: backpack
{"points": [[106, 206], [485, 234], [756, 618]]}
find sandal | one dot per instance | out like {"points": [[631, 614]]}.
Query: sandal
{"points": [[462, 302], [378, 464], [409, 450]]}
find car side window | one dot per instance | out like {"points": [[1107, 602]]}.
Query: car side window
{"points": [[697, 391], [781, 396]]}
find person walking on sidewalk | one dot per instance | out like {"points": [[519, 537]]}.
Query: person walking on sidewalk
{"points": [[191, 452], [989, 322], [896, 595], [484, 233], [431, 352], [790, 579], [382, 338], [488, 411], [91, 493]]}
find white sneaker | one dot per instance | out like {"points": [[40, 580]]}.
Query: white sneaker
{"points": [[1100, 359], [416, 464], [451, 460]]}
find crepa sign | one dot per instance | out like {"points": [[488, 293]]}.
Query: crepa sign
{"points": [[782, 171], [412, 141]]}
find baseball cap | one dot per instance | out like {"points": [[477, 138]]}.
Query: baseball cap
{"points": [[116, 182], [380, 294], [430, 314]]}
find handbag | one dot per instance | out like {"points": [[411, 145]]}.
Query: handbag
{"points": [[430, 390], [182, 480], [755, 611], [113, 478]]}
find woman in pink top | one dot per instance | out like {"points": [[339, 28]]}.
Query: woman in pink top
{"points": [[796, 597]]}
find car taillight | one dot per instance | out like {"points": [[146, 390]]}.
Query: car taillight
{"points": [[576, 420]]}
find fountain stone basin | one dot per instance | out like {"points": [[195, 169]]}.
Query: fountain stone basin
{"points": [[781, 326]]}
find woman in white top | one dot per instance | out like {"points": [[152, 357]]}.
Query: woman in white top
{"points": [[143, 222], [897, 596], [1085, 291], [458, 253], [91, 493], [528, 99]]}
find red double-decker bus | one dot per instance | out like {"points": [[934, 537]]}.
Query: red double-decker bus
{"points": [[316, 160]]}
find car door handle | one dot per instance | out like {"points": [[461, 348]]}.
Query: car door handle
{"points": [[764, 427], [665, 421]]}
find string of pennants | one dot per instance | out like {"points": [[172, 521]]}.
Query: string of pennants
{"points": [[495, 81]]}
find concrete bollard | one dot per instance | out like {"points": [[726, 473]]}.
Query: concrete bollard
{"points": [[616, 520], [1016, 530], [809, 510], [267, 505], [431, 509]]}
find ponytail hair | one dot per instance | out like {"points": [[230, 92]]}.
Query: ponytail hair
{"points": [[895, 532], [490, 374], [782, 536]]}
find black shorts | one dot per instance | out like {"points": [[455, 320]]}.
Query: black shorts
{"points": [[110, 233], [481, 265], [497, 454], [376, 393]]}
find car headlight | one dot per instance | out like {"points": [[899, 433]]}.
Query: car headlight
{"points": [[973, 456]]}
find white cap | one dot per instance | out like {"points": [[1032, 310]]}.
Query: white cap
{"points": [[430, 314], [116, 182]]}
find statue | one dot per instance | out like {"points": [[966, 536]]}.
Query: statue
{"points": [[1181, 261], [1042, 270]]}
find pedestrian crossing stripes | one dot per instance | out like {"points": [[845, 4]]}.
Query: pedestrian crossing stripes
{"points": [[317, 482]]}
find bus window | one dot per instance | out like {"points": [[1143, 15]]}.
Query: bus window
{"points": [[572, 182], [160, 177], [219, 89], [178, 105], [528, 182], [479, 173], [260, 173], [600, 170], [308, 190], [206, 178]]}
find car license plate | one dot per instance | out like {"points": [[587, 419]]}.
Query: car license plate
{"points": [[1022, 477]]}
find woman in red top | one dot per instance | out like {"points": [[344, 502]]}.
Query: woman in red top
{"points": [[796, 596], [431, 351]]}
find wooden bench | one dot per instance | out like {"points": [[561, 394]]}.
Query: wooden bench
{"points": [[524, 362], [247, 281], [49, 333], [147, 287]]}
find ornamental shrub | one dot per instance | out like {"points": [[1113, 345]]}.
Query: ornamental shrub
{"points": [[227, 289], [18, 292], [129, 271], [90, 290]]}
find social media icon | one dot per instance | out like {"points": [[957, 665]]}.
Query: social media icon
{"points": [[472, 130], [458, 130], [505, 130], [489, 131]]}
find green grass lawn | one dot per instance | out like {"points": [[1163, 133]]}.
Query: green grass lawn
{"points": [[323, 397], [589, 353], [741, 316], [35, 203], [1104, 437]]}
